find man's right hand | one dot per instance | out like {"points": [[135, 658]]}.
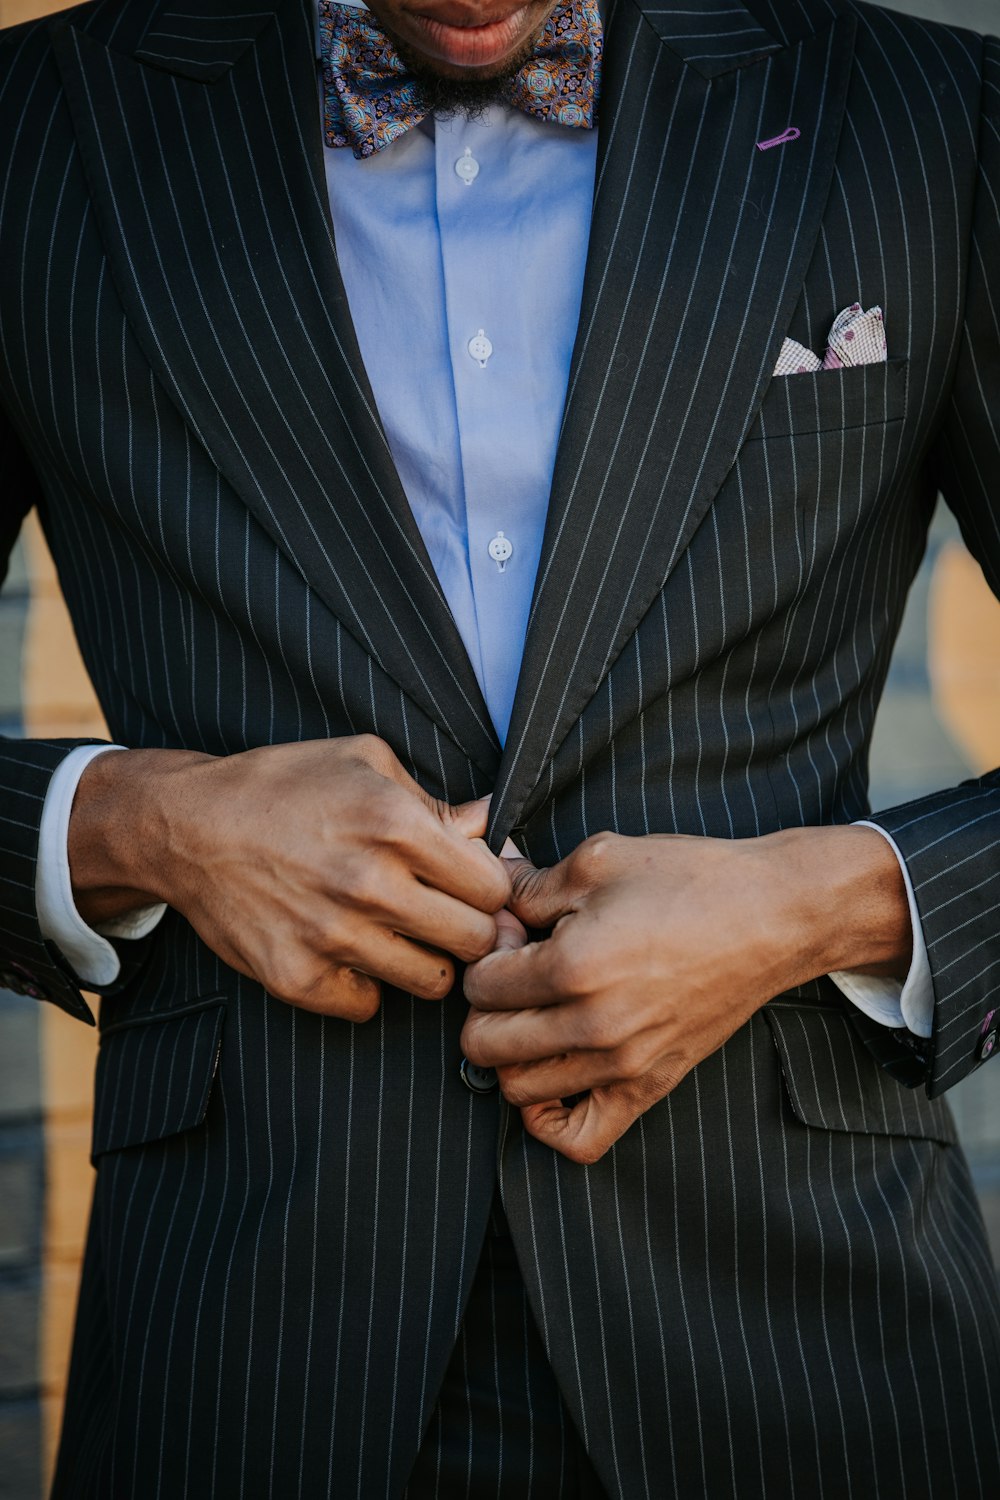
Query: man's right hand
{"points": [[318, 869]]}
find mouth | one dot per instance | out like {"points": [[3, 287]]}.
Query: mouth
{"points": [[462, 44]]}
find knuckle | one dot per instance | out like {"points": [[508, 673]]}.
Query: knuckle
{"points": [[603, 1026], [499, 887], [359, 998], [569, 973], [314, 932], [310, 983], [373, 750], [668, 1075], [336, 939], [285, 980], [513, 1089], [368, 885], [630, 1059], [586, 1152], [599, 1032], [475, 1039], [590, 857], [389, 819], [477, 943], [436, 986], [472, 983], [525, 884], [295, 978], [450, 814]]}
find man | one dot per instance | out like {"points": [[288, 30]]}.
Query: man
{"points": [[712, 1236]]}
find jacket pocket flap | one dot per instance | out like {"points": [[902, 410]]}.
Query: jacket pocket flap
{"points": [[834, 1082], [825, 400], [154, 1075]]}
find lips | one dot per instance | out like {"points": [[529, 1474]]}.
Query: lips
{"points": [[465, 19], [469, 46]]}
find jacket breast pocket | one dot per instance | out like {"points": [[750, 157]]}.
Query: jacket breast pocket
{"points": [[834, 1083], [832, 400], [155, 1074]]}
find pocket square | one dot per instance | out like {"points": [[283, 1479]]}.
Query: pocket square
{"points": [[856, 338]]}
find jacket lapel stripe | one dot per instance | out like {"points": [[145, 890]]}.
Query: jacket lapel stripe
{"points": [[590, 323]]}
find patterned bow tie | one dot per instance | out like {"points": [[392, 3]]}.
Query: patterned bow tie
{"points": [[370, 98]]}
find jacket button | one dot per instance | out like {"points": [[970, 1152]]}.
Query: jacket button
{"points": [[479, 1080], [988, 1044]]}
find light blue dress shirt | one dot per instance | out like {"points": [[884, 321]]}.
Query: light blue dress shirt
{"points": [[462, 247]]}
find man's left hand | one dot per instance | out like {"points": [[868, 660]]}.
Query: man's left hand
{"points": [[661, 947]]}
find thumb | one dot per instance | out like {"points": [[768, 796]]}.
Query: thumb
{"points": [[467, 818], [510, 932], [582, 1131], [539, 897]]}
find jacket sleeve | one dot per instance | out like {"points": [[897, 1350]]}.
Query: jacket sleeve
{"points": [[950, 841], [29, 964]]}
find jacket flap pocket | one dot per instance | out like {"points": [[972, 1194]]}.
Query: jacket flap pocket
{"points": [[155, 1073], [833, 400], [834, 1082]]}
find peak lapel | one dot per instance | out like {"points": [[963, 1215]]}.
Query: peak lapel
{"points": [[204, 156], [698, 247], [202, 47], [712, 36]]}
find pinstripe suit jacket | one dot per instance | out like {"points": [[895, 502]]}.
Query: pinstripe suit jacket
{"points": [[777, 1283]]}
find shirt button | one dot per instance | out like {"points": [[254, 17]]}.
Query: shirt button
{"points": [[467, 167], [477, 1080], [500, 550], [480, 348]]}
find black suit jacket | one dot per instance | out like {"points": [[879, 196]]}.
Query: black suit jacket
{"points": [[777, 1283]]}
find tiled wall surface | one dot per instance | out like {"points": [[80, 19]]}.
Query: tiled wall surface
{"points": [[940, 722], [46, 1070]]}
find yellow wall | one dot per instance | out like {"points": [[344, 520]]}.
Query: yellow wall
{"points": [[12, 11], [58, 700]]}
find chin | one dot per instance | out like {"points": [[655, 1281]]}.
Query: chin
{"points": [[450, 88]]}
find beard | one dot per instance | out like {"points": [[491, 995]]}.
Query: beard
{"points": [[471, 97]]}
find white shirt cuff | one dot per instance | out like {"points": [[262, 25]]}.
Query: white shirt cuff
{"points": [[85, 949], [910, 1004]]}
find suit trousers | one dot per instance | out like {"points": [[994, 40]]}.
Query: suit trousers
{"points": [[500, 1427]]}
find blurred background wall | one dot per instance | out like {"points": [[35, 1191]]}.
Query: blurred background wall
{"points": [[940, 721]]}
